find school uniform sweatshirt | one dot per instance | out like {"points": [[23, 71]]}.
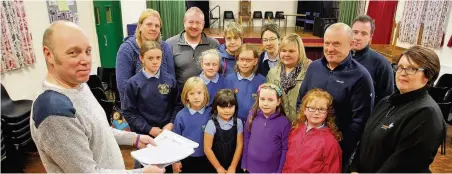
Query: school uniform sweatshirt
{"points": [[245, 91], [72, 134], [128, 62], [150, 102], [266, 144], [227, 61]]}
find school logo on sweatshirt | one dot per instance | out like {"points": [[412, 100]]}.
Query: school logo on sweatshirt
{"points": [[385, 127], [236, 90], [163, 88]]}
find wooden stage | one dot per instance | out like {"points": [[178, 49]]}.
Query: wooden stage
{"points": [[313, 44], [253, 35]]}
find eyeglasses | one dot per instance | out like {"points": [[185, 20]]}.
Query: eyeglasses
{"points": [[409, 71], [269, 40], [321, 110]]}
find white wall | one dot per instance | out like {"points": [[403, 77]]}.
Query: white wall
{"points": [[131, 10], [25, 82], [289, 7], [444, 53]]}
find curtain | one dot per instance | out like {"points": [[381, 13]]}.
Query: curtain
{"points": [[434, 25], [383, 21], [348, 11], [172, 14], [411, 21], [430, 13], [361, 7], [16, 41]]}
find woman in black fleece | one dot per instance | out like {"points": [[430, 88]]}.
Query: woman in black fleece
{"points": [[406, 128]]}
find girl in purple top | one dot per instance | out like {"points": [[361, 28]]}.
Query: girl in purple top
{"points": [[266, 132]]}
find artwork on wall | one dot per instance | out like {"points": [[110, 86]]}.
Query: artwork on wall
{"points": [[62, 10], [16, 41]]}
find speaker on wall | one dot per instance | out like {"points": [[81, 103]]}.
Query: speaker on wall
{"points": [[321, 24]]}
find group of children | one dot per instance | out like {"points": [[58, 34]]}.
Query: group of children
{"points": [[238, 120]]}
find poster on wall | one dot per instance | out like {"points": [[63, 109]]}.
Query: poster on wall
{"points": [[16, 46], [62, 10]]}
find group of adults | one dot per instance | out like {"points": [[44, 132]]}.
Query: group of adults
{"points": [[387, 129]]}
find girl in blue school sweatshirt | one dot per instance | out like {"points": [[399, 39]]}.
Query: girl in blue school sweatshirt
{"points": [[190, 123], [245, 81], [210, 64], [151, 98], [266, 132]]}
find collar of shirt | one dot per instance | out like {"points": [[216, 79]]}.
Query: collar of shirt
{"points": [[206, 80], [319, 127], [240, 77], [148, 76], [193, 112], [221, 122], [268, 58]]}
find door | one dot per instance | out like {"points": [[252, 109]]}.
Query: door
{"points": [[108, 21]]}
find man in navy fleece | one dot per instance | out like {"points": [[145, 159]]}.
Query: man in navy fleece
{"points": [[347, 81], [378, 66]]}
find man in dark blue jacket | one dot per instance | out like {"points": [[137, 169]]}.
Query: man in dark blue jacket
{"points": [[347, 81], [379, 67]]}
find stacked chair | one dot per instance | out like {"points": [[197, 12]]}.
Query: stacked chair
{"points": [[101, 84], [442, 94], [16, 136]]}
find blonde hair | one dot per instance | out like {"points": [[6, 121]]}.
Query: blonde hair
{"points": [[194, 10], [246, 47], [191, 84], [149, 45], [235, 29], [209, 52], [317, 93], [145, 14], [294, 38]]}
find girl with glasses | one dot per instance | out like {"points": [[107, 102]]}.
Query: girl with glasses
{"points": [[313, 140]]}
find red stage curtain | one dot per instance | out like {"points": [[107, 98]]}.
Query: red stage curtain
{"points": [[383, 13]]}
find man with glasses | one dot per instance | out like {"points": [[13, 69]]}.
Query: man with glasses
{"points": [[189, 44], [347, 81], [379, 68]]}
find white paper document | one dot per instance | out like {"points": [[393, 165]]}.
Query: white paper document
{"points": [[170, 148]]}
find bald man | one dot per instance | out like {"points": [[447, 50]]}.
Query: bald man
{"points": [[68, 125], [347, 81]]}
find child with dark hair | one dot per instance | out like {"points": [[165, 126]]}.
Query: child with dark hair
{"points": [[223, 136]]}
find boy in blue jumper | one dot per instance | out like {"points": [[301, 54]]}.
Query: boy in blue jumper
{"points": [[210, 64], [151, 98], [190, 123], [245, 81], [233, 38]]}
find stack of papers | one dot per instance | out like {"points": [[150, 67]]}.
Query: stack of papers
{"points": [[170, 148]]}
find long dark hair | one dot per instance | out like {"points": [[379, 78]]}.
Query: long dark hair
{"points": [[224, 98]]}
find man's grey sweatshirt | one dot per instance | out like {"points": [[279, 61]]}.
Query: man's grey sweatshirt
{"points": [[72, 134]]}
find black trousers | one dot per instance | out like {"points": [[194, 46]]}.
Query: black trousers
{"points": [[196, 165]]}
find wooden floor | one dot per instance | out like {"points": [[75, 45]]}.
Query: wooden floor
{"points": [[441, 164]]}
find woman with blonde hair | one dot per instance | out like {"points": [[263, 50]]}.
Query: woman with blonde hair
{"points": [[127, 60], [289, 73]]}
